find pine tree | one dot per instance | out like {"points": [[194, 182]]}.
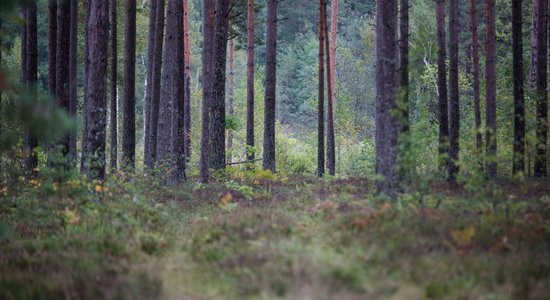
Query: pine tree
{"points": [[270, 86], [519, 100], [250, 82], [96, 104], [217, 121], [442, 82], [129, 102], [490, 90], [113, 88], [542, 91], [387, 124], [207, 55], [321, 94], [454, 97]]}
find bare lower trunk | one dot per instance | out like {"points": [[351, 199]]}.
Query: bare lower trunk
{"points": [[178, 111], [250, 82], [208, 50], [387, 124], [73, 68], [217, 133], [30, 73], [114, 81], [149, 88], [321, 94], [156, 85], [129, 103], [187, 86], [542, 91], [331, 148], [270, 86], [519, 100], [454, 97], [62, 92], [490, 91], [98, 32], [231, 87], [477, 98], [442, 84]]}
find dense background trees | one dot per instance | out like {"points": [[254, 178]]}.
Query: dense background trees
{"points": [[440, 94]]}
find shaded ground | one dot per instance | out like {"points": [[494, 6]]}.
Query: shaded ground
{"points": [[255, 236]]}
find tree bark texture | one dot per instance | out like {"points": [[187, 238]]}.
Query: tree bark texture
{"points": [[270, 86], [62, 76], [73, 67], [129, 103], [541, 169], [52, 43], [387, 124], [519, 99], [442, 84], [250, 82], [475, 58], [490, 91], [331, 145], [98, 34], [149, 87], [207, 55], [454, 94], [321, 95]]}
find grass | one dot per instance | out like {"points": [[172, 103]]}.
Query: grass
{"points": [[257, 236]]}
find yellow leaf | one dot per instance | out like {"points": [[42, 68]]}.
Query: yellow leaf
{"points": [[463, 238], [71, 216], [225, 200]]}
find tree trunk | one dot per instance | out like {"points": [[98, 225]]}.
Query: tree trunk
{"points": [[114, 84], [270, 86], [490, 91], [30, 74], [404, 62], [169, 60], [542, 91], [321, 95], [52, 43], [187, 86], [178, 110], [129, 103], [156, 82], [332, 72], [454, 97], [62, 76], [442, 84], [250, 83], [86, 73], [477, 98], [98, 34], [387, 124], [535, 18], [207, 55], [217, 136], [73, 66], [331, 149], [519, 100], [149, 87], [231, 93]]}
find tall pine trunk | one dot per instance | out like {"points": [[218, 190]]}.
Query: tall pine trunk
{"points": [[73, 67], [151, 160], [542, 91], [442, 84], [231, 93], [114, 84], [129, 103], [454, 97], [332, 73], [30, 78], [149, 87], [187, 86], [62, 76], [217, 122], [490, 90], [331, 147], [52, 43], [475, 58], [519, 100], [207, 55], [270, 86], [321, 95], [387, 124], [96, 104], [178, 110], [535, 32], [404, 63], [250, 82]]}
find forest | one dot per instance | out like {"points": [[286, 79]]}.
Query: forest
{"points": [[274, 149]]}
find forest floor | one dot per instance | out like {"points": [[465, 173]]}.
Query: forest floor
{"points": [[255, 236]]}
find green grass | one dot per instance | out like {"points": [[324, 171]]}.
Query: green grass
{"points": [[256, 236]]}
